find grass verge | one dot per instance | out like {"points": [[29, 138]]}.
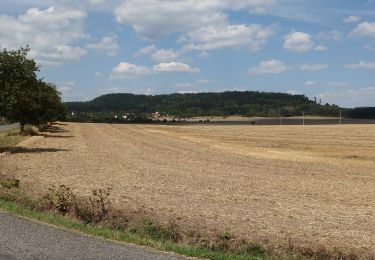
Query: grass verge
{"points": [[129, 237], [9, 138]]}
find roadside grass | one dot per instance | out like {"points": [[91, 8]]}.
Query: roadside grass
{"points": [[9, 138], [146, 233]]}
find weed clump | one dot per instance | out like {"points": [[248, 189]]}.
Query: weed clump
{"points": [[149, 229], [9, 183], [96, 209], [61, 199]]}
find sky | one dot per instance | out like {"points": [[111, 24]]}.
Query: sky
{"points": [[319, 48]]}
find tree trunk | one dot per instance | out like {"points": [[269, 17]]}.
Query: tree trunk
{"points": [[22, 128]]}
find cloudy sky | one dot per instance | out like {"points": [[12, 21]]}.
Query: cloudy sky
{"points": [[315, 47]]}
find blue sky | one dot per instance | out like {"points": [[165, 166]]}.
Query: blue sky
{"points": [[323, 49]]}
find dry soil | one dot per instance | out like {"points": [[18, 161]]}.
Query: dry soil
{"points": [[314, 185]]}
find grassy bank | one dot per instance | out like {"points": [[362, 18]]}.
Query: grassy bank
{"points": [[9, 138], [20, 207]]}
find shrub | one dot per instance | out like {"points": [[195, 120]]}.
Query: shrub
{"points": [[61, 199], [96, 209], [30, 130], [222, 243], [9, 183]]}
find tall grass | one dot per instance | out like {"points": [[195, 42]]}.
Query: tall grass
{"points": [[9, 138]]}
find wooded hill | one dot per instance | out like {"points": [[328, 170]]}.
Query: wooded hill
{"points": [[246, 103]]}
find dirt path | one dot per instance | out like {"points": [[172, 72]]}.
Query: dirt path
{"points": [[315, 185]]}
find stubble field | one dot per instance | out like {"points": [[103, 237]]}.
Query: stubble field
{"points": [[312, 185]]}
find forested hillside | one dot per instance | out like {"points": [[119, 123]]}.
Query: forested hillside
{"points": [[362, 113], [248, 103]]}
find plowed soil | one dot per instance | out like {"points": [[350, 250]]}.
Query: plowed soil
{"points": [[314, 185]]}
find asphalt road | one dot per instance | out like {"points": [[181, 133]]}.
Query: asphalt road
{"points": [[6, 127], [25, 239]]}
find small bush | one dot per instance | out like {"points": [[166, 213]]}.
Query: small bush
{"points": [[9, 183], [96, 209], [30, 130], [223, 242], [61, 199]]}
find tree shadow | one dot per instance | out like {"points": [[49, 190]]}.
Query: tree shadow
{"points": [[58, 136], [17, 150], [55, 130]]}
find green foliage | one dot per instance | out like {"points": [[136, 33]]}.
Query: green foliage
{"points": [[362, 113], [23, 97], [247, 103], [147, 228], [9, 183]]}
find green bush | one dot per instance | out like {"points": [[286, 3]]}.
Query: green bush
{"points": [[147, 228]]}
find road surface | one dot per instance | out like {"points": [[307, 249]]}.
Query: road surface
{"points": [[6, 127], [25, 239]]}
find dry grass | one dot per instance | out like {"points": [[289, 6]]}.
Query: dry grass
{"points": [[9, 139], [312, 184]]}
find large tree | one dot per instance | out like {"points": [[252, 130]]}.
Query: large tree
{"points": [[23, 97], [50, 105]]}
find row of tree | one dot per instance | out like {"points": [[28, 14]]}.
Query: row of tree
{"points": [[24, 97], [245, 103]]}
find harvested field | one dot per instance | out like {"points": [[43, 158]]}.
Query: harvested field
{"points": [[312, 184]]}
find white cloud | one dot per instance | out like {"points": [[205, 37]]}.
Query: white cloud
{"points": [[49, 33], [96, 2], [57, 54], [362, 65], [145, 51], [320, 48], [65, 88], [332, 36], [353, 97], [163, 55], [269, 67], [313, 67], [184, 85], [369, 46], [129, 71], [298, 42], [187, 92], [212, 37], [203, 81], [336, 84], [294, 92], [148, 91], [310, 83], [152, 19], [174, 66], [108, 45], [352, 19], [364, 29]]}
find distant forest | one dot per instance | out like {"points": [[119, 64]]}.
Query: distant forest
{"points": [[246, 103], [362, 113]]}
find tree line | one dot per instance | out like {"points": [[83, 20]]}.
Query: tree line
{"points": [[244, 103], [24, 97]]}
